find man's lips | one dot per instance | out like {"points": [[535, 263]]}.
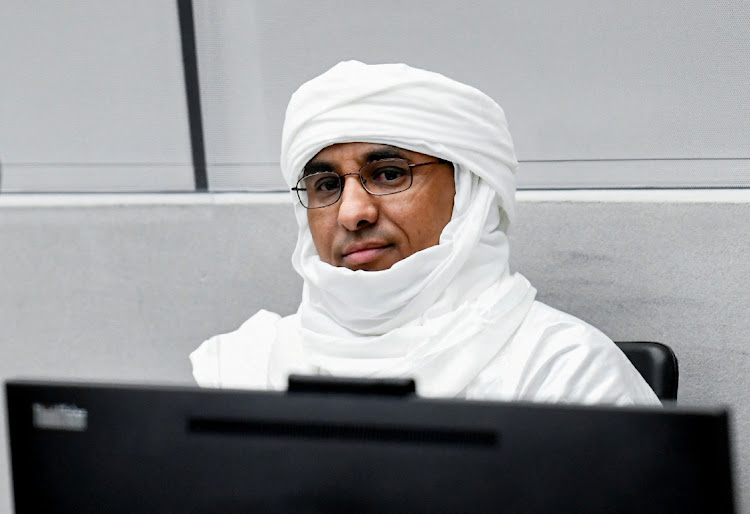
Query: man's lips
{"points": [[363, 253]]}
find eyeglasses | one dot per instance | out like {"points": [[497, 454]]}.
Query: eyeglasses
{"points": [[379, 178]]}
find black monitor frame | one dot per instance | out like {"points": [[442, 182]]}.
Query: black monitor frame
{"points": [[119, 448]]}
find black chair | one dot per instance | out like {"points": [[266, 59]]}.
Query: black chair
{"points": [[657, 363]]}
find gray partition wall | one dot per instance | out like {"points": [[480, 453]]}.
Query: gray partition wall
{"points": [[123, 288]]}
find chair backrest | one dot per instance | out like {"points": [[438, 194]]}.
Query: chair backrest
{"points": [[657, 363]]}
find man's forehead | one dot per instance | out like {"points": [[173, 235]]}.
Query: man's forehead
{"points": [[358, 150]]}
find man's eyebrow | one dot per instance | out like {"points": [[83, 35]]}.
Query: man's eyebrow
{"points": [[384, 152], [376, 154], [316, 167]]}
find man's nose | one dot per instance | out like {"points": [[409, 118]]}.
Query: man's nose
{"points": [[357, 207]]}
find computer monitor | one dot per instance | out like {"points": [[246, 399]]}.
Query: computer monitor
{"points": [[118, 448]]}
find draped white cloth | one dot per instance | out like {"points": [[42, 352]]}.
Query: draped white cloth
{"points": [[441, 315], [452, 303]]}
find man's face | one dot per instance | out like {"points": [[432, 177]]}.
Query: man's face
{"points": [[371, 233]]}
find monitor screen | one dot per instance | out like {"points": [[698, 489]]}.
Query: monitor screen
{"points": [[120, 448]]}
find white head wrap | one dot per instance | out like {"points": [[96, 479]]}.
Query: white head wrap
{"points": [[441, 314]]}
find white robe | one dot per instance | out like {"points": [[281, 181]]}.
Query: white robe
{"points": [[552, 357], [452, 316]]}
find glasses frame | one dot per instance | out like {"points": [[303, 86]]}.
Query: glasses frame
{"points": [[297, 189]]}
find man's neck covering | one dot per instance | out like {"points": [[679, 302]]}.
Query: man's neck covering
{"points": [[441, 314]]}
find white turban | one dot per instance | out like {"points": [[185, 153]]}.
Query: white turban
{"points": [[441, 314], [413, 109]]}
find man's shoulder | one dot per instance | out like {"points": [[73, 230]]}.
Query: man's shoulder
{"points": [[550, 326], [563, 339], [557, 357], [261, 320], [237, 359], [257, 331]]}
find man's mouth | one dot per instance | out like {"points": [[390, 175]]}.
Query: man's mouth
{"points": [[358, 255]]}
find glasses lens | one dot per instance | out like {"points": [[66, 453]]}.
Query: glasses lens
{"points": [[386, 176], [319, 189]]}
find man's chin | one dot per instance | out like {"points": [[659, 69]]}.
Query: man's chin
{"points": [[372, 267]]}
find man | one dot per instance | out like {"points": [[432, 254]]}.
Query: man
{"points": [[403, 183]]}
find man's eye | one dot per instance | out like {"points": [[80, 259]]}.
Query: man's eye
{"points": [[388, 174], [326, 185]]}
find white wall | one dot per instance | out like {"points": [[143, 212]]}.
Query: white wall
{"points": [[609, 94], [637, 93], [92, 97], [124, 287]]}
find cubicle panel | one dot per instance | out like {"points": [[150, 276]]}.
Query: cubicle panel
{"points": [[125, 287]]}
